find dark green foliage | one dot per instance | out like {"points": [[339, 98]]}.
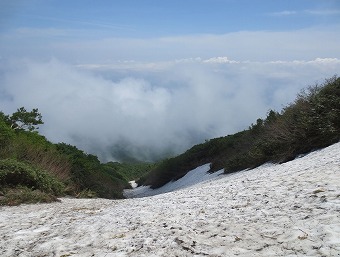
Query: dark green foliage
{"points": [[32, 148], [311, 122], [30, 160], [88, 173], [21, 194], [25, 120], [213, 151], [14, 173], [131, 171], [6, 135]]}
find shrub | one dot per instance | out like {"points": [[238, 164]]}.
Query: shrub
{"points": [[87, 173], [35, 149], [22, 194], [29, 159], [312, 121], [6, 136], [14, 173]]}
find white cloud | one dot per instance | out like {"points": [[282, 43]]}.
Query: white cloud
{"points": [[147, 112], [316, 12], [220, 59], [152, 94], [315, 61], [283, 13], [83, 47], [324, 12]]}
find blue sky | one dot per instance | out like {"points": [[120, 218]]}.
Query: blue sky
{"points": [[159, 76], [154, 18], [149, 30]]}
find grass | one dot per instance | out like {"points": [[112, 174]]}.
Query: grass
{"points": [[21, 194]]}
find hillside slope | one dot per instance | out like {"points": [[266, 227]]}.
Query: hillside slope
{"points": [[33, 169], [289, 209], [199, 175], [311, 122]]}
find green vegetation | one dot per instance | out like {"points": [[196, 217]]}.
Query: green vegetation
{"points": [[14, 173], [25, 120], [312, 121], [32, 169], [21, 194], [131, 171]]}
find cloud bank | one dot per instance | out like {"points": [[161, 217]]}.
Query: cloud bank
{"points": [[95, 46], [154, 97], [152, 109]]}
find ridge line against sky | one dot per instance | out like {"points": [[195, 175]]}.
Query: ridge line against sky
{"points": [[151, 78]]}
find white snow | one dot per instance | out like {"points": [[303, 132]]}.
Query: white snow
{"points": [[292, 209], [193, 177], [133, 184]]}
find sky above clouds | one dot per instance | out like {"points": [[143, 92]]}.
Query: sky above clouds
{"points": [[151, 78]]}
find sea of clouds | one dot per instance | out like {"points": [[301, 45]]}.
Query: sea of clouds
{"points": [[151, 110], [148, 98]]}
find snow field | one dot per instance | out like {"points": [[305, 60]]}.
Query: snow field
{"points": [[292, 209]]}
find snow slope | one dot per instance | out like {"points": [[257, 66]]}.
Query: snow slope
{"points": [[193, 177], [291, 209]]}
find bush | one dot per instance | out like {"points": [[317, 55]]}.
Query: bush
{"points": [[6, 136], [14, 173], [35, 149], [29, 159], [22, 194], [312, 121], [87, 173]]}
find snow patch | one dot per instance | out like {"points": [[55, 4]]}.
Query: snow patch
{"points": [[193, 177]]}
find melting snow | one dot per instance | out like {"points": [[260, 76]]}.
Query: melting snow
{"points": [[292, 209], [193, 177]]}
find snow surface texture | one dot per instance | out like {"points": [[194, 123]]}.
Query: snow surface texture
{"points": [[291, 209], [193, 177]]}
